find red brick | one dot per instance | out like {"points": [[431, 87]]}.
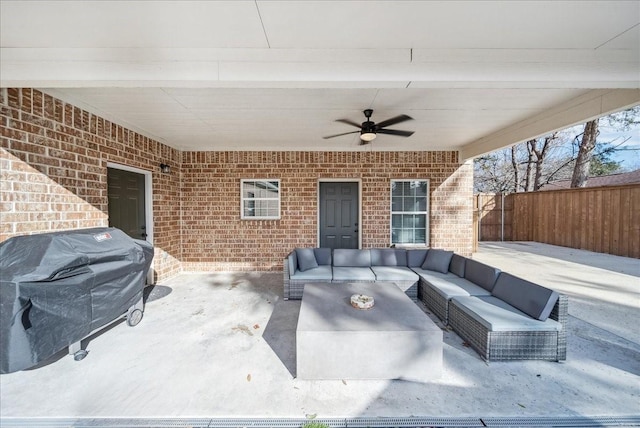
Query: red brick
{"points": [[197, 206], [26, 100], [44, 216], [37, 103]]}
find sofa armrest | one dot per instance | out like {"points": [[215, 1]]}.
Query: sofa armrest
{"points": [[286, 276], [560, 313]]}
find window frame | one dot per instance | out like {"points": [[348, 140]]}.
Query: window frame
{"points": [[244, 200], [425, 213]]}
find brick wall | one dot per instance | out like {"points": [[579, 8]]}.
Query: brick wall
{"points": [[53, 176], [215, 238], [53, 171]]}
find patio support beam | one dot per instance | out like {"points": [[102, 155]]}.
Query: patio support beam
{"points": [[85, 67], [593, 104]]}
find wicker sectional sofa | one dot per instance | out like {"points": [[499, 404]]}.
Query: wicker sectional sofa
{"points": [[346, 265], [501, 316]]}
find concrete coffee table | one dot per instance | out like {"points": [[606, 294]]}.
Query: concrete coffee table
{"points": [[392, 340]]}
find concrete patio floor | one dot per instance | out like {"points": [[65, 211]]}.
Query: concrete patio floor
{"points": [[222, 345]]}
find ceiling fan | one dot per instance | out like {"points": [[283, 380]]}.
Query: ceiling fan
{"points": [[369, 129]]}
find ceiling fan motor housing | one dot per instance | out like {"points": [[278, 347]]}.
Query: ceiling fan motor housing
{"points": [[367, 127]]}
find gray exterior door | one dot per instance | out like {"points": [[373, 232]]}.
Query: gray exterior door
{"points": [[339, 226], [126, 192]]}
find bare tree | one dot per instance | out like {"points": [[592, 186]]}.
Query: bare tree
{"points": [[585, 154], [514, 165], [532, 164], [541, 160], [522, 167], [528, 175], [622, 121], [541, 154], [493, 173]]}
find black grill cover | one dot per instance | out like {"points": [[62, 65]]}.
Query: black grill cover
{"points": [[56, 288]]}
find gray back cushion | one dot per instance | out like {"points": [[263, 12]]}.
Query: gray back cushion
{"points": [[351, 258], [415, 258], [323, 255], [457, 265], [532, 299], [306, 259], [437, 260], [388, 257], [480, 274]]}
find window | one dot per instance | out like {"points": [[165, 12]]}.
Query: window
{"points": [[260, 199], [410, 212]]}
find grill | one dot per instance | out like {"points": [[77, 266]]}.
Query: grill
{"points": [[58, 288]]}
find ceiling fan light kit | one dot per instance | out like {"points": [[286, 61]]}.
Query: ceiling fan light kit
{"points": [[369, 129], [367, 136]]}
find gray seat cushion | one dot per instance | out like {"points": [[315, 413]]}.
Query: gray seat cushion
{"points": [[306, 259], [388, 257], [321, 273], [394, 273], [437, 260], [449, 285], [497, 315], [350, 273], [532, 299], [480, 274], [457, 265], [347, 257]]}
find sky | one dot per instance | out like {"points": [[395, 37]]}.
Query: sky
{"points": [[630, 156]]}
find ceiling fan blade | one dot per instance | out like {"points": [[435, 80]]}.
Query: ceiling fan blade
{"points": [[393, 121], [395, 132], [349, 122], [338, 135]]}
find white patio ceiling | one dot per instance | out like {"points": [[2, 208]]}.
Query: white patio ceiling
{"points": [[274, 75]]}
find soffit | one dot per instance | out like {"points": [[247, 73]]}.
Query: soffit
{"points": [[272, 75]]}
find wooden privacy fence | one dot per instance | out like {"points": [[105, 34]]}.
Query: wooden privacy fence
{"points": [[494, 214], [599, 219]]}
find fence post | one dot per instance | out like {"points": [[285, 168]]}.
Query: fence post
{"points": [[502, 218], [476, 226], [479, 216]]}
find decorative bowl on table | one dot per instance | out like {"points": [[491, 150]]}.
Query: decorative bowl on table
{"points": [[361, 301]]}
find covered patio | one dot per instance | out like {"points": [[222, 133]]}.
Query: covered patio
{"points": [[194, 99], [218, 349]]}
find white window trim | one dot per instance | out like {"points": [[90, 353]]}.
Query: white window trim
{"points": [[243, 199], [426, 213]]}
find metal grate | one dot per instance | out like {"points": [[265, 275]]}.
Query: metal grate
{"points": [[575, 421], [362, 422], [104, 422], [273, 423], [412, 422], [628, 421]]}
